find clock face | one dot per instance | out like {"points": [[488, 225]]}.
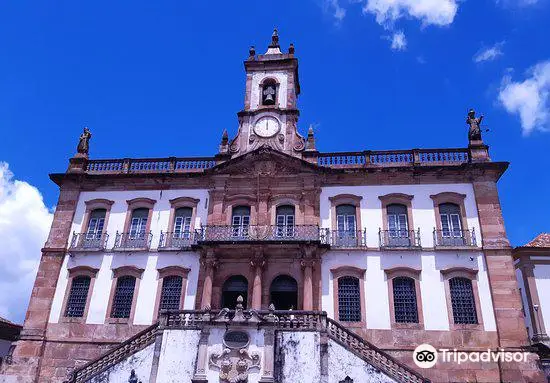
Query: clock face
{"points": [[266, 126]]}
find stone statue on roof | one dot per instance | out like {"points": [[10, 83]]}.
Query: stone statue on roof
{"points": [[474, 134], [84, 142]]}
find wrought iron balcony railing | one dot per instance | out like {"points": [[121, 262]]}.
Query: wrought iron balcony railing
{"points": [[89, 241], [455, 238], [345, 238], [391, 239], [133, 241], [176, 241], [259, 233]]}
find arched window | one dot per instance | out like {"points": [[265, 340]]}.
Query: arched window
{"points": [[124, 297], [462, 301], [404, 300], [346, 223], [96, 223], [349, 299], [398, 228], [285, 221], [240, 220], [451, 226], [284, 293], [170, 297], [138, 223], [78, 296], [182, 222], [232, 288], [269, 92]]}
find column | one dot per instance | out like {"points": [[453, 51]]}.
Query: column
{"points": [[202, 356], [269, 356], [257, 264], [209, 266]]}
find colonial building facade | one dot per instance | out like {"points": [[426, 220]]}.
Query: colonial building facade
{"points": [[398, 247], [532, 262]]}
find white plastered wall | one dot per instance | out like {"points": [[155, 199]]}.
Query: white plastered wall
{"points": [[542, 279], [149, 261], [430, 263]]}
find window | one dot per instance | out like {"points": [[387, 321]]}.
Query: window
{"points": [[451, 227], [78, 296], [398, 228], [404, 300], [170, 298], [240, 221], [462, 301], [124, 297], [269, 92], [284, 293], [182, 222], [138, 224], [96, 224], [349, 299], [285, 221], [346, 225], [232, 288]]}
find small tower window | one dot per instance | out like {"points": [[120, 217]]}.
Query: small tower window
{"points": [[269, 92]]}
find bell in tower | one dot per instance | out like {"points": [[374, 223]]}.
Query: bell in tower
{"points": [[269, 92]]}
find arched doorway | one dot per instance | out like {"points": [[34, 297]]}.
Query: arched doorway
{"points": [[232, 288], [284, 293]]}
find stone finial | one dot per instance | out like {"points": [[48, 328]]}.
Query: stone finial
{"points": [[271, 307], [310, 144], [240, 301], [251, 52], [274, 39], [84, 143], [291, 49]]}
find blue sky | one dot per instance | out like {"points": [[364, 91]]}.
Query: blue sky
{"points": [[165, 78]]}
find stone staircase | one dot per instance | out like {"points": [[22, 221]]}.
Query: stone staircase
{"points": [[286, 321]]}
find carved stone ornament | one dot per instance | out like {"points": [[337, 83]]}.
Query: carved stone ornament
{"points": [[234, 365], [346, 380]]}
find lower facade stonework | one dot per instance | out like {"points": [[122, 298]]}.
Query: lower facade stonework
{"points": [[62, 356]]}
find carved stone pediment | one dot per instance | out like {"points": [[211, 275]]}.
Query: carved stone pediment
{"points": [[266, 161]]}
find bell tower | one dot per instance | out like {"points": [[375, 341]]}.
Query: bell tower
{"points": [[270, 114]]}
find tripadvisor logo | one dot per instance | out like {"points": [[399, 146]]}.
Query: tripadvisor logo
{"points": [[426, 356]]}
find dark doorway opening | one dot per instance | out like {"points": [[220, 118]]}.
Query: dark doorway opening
{"points": [[284, 293], [232, 288]]}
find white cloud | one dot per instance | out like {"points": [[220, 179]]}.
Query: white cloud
{"points": [[429, 12], [333, 6], [489, 54], [530, 99], [398, 41], [24, 225], [517, 3]]}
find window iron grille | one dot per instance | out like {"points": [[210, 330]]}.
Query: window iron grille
{"points": [[124, 296], [171, 293], [349, 299], [462, 300], [404, 300], [76, 303]]}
